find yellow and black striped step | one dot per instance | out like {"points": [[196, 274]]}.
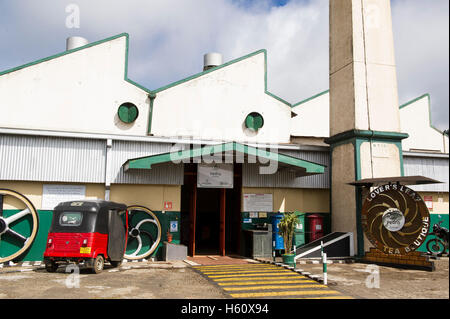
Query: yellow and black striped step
{"points": [[266, 281]]}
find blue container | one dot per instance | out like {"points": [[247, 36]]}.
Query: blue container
{"points": [[276, 238]]}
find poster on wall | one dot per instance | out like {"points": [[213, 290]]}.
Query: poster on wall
{"points": [[53, 194], [215, 176], [258, 202]]}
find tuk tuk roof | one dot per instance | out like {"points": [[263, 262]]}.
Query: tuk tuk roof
{"points": [[90, 205]]}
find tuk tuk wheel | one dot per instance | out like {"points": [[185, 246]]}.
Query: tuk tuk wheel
{"points": [[99, 263], [51, 266], [115, 264]]}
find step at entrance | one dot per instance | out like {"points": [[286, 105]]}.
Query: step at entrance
{"points": [[220, 260]]}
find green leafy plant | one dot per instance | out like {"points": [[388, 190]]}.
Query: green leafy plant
{"points": [[286, 229]]}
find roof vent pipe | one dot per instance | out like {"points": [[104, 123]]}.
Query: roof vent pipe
{"points": [[75, 42], [211, 60]]}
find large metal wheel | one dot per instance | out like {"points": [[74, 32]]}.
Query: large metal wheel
{"points": [[144, 233], [7, 223]]}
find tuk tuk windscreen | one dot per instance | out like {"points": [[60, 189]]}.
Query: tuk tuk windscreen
{"points": [[70, 219]]}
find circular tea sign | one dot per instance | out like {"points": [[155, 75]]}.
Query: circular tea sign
{"points": [[395, 219]]}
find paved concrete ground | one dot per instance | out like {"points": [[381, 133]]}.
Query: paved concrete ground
{"points": [[360, 280], [266, 281], [160, 280], [178, 280]]}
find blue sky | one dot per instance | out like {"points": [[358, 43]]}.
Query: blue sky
{"points": [[169, 37]]}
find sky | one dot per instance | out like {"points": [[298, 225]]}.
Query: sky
{"points": [[168, 39]]}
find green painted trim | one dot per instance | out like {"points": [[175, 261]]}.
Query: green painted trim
{"points": [[357, 139], [348, 135], [400, 154], [285, 159], [415, 100], [79, 49], [64, 53], [426, 95], [358, 197], [148, 161], [152, 97], [358, 175], [192, 77], [82, 48], [254, 121], [311, 98], [197, 75], [128, 112]]}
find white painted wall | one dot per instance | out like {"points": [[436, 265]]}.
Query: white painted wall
{"points": [[313, 120], [77, 92], [81, 92], [415, 120], [313, 117], [215, 105]]}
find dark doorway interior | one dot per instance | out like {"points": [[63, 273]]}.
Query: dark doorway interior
{"points": [[207, 222], [200, 215]]}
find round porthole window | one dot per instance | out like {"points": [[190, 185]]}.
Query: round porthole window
{"points": [[254, 121], [128, 112]]}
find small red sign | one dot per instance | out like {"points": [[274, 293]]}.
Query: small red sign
{"points": [[167, 205], [429, 202]]}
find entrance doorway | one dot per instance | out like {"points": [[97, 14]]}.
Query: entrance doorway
{"points": [[207, 224], [210, 217]]}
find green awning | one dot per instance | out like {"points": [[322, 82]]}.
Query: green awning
{"points": [[226, 153]]}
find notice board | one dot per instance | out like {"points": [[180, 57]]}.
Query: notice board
{"points": [[53, 194], [258, 203]]}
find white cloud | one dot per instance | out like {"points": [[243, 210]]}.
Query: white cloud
{"points": [[421, 31], [169, 37]]}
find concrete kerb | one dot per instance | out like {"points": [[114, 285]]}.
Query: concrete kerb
{"points": [[27, 266]]}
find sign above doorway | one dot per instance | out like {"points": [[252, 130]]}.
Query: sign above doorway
{"points": [[215, 175]]}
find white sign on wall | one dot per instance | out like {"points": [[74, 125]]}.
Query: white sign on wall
{"points": [[258, 202], [173, 226], [215, 175], [52, 195]]}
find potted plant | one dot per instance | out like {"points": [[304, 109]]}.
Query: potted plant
{"points": [[286, 229]]}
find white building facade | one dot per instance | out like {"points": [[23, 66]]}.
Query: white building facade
{"points": [[75, 119]]}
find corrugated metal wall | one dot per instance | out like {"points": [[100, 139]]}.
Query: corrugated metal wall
{"points": [[168, 174], [36, 158], [286, 178], [432, 167], [83, 160], [80, 160]]}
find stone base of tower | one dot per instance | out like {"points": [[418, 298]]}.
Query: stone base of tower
{"points": [[413, 260]]}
